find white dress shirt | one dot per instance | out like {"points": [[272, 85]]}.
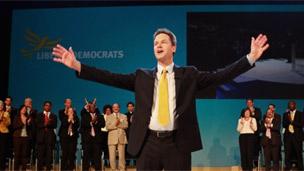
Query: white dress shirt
{"points": [[47, 113], [154, 125]]}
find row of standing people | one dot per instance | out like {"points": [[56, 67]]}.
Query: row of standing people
{"points": [[34, 134], [258, 131]]}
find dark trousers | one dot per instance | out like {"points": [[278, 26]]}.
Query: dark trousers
{"points": [[293, 144], [271, 153], [68, 149], [21, 149], [3, 149], [91, 153], [247, 145], [104, 145], [160, 153], [45, 155]]}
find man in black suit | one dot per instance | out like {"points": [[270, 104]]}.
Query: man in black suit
{"points": [[271, 139], [68, 133], [12, 112], [257, 114], [91, 124], [129, 114], [293, 135], [164, 128], [32, 113], [63, 113], [46, 123]]}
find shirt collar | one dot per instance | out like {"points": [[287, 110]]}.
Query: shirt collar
{"points": [[169, 68], [46, 113]]}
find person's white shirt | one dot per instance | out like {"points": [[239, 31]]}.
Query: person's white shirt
{"points": [[247, 127]]}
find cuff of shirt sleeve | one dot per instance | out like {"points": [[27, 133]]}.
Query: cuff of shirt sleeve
{"points": [[250, 60]]}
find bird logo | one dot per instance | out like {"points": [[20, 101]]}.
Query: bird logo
{"points": [[36, 43]]}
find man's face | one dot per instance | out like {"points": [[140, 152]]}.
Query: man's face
{"points": [[28, 102], [47, 107], [68, 103], [292, 105], [92, 108], [115, 108], [269, 113], [249, 103], [130, 108], [163, 48], [8, 101]]}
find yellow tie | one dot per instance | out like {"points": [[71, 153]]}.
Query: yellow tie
{"points": [[163, 100]]}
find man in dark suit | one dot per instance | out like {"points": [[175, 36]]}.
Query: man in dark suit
{"points": [[271, 139], [63, 113], [91, 124], [129, 114], [68, 133], [257, 114], [164, 128], [12, 113], [46, 123], [32, 113], [293, 135]]}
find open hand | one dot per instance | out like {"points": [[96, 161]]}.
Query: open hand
{"points": [[258, 46], [66, 57]]}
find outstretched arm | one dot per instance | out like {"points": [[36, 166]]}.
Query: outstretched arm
{"points": [[258, 46], [68, 58]]}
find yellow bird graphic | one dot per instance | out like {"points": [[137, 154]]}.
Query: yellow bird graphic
{"points": [[36, 43]]}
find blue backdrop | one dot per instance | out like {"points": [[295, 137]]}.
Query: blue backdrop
{"points": [[119, 39]]}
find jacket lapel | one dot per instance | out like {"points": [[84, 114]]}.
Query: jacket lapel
{"points": [[178, 77]]}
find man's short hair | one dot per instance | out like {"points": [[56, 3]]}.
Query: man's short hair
{"points": [[271, 104], [167, 32], [47, 102], [249, 99], [130, 103]]}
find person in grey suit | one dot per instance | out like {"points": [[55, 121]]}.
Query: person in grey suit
{"points": [[164, 140]]}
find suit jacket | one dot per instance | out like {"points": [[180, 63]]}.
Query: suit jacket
{"points": [[86, 126], [297, 125], [188, 81], [33, 115], [18, 126], [12, 114], [46, 133], [275, 131], [64, 127], [117, 133], [129, 115]]}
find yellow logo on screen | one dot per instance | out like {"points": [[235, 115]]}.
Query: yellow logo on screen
{"points": [[36, 44]]}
